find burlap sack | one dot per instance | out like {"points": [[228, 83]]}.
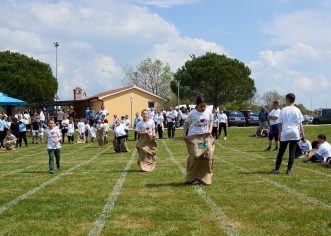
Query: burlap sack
{"points": [[200, 160], [9, 145], [147, 149], [100, 136], [125, 147]]}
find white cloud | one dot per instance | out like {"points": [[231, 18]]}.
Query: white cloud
{"points": [[165, 3], [97, 38]]}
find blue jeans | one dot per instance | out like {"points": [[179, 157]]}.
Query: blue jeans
{"points": [[51, 154]]}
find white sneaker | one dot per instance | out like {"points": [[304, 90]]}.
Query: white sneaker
{"points": [[224, 138]]}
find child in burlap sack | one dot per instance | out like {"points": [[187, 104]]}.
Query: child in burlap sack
{"points": [[146, 144], [10, 141], [200, 144]]}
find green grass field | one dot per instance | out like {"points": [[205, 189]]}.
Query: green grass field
{"points": [[99, 192]]}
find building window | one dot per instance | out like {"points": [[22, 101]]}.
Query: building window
{"points": [[151, 104]]}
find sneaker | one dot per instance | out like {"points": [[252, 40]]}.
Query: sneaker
{"points": [[288, 172], [275, 171], [51, 172], [300, 157], [268, 149], [225, 138], [276, 150]]}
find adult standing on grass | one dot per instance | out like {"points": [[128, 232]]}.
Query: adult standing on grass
{"points": [[200, 144], [290, 128], [263, 118], [146, 144], [274, 126], [171, 121], [223, 123], [53, 137]]}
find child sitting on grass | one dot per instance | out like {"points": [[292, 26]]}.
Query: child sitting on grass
{"points": [[11, 140], [322, 153]]}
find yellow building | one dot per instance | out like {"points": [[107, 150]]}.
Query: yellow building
{"points": [[122, 101]]}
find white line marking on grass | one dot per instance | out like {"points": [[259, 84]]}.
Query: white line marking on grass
{"points": [[223, 219], [265, 158], [48, 182], [28, 167], [303, 196], [110, 204]]}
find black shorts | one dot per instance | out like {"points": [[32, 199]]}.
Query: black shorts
{"points": [[273, 132]]}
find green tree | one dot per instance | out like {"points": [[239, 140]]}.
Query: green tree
{"points": [[270, 96], [220, 79], [150, 75], [26, 78]]}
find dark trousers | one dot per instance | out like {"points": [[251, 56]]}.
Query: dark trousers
{"points": [[282, 149], [214, 133], [223, 126], [22, 135], [135, 135], [171, 129], [160, 131], [71, 139], [119, 142], [64, 132], [2, 137]]}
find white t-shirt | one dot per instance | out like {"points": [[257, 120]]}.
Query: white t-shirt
{"points": [[119, 131], [71, 129], [324, 150], [103, 112], [274, 113], [215, 120], [160, 119], [81, 127], [105, 127], [126, 124], [151, 115], [290, 117], [42, 116], [171, 116], [305, 146], [51, 136], [223, 118], [92, 132], [146, 126], [199, 122]]}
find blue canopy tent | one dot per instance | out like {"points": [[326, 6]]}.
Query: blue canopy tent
{"points": [[5, 100]]}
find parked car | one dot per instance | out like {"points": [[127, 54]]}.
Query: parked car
{"points": [[323, 117], [235, 118], [307, 119], [251, 117]]}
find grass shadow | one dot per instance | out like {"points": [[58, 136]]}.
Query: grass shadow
{"points": [[35, 172], [258, 172], [174, 185]]}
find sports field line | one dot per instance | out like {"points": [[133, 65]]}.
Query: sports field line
{"points": [[229, 228], [110, 204], [262, 157], [28, 167], [48, 182], [303, 196]]}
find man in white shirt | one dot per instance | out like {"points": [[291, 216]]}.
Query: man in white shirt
{"points": [[223, 123], [323, 151], [103, 112], [171, 121], [290, 128], [274, 126]]}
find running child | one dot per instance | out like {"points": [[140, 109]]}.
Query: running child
{"points": [[53, 137]]}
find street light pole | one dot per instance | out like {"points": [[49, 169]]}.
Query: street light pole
{"points": [[178, 93], [131, 100], [56, 44]]}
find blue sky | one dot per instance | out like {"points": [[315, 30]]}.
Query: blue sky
{"points": [[286, 43]]}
